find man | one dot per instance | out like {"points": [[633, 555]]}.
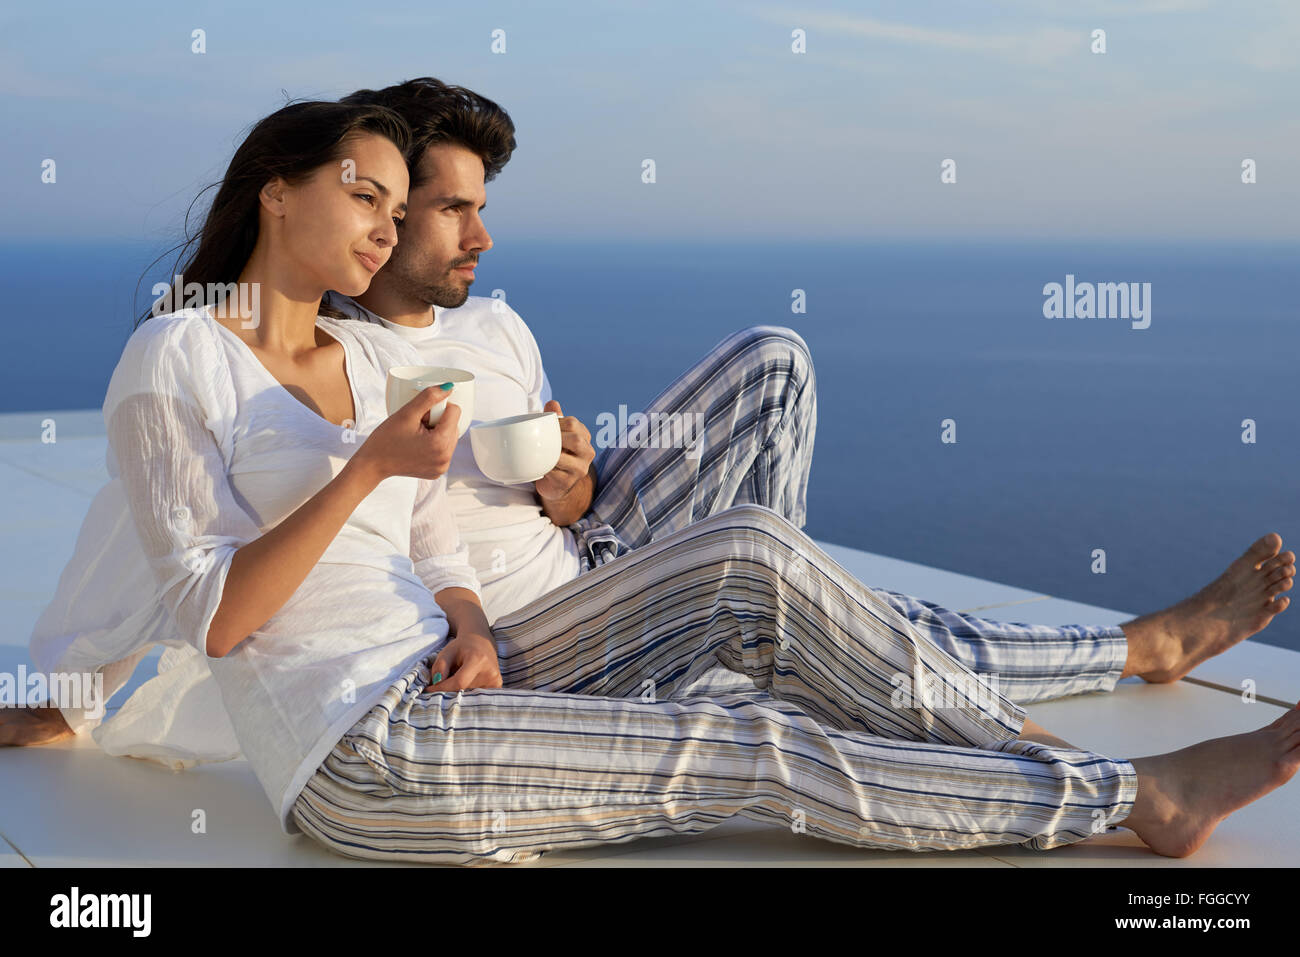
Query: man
{"points": [[756, 391], [756, 395], [739, 426]]}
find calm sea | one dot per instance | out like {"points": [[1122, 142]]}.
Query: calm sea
{"points": [[1072, 434]]}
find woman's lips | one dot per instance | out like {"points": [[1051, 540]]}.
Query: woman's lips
{"points": [[369, 262]]}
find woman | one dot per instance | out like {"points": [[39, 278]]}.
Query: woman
{"points": [[319, 574]]}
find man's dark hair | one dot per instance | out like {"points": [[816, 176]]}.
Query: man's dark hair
{"points": [[439, 113]]}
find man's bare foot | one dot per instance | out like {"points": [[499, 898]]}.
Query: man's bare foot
{"points": [[1168, 644], [1182, 796], [32, 726]]}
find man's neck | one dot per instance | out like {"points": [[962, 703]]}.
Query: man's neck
{"points": [[396, 310]]}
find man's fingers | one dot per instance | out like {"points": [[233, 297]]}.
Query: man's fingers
{"points": [[571, 424], [570, 466], [557, 410]]}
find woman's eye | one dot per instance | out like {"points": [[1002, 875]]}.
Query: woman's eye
{"points": [[366, 196]]}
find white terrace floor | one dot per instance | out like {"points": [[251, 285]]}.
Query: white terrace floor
{"points": [[72, 805]]}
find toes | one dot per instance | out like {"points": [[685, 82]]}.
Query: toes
{"points": [[1278, 561], [1279, 587], [1264, 548], [1277, 574], [1272, 608]]}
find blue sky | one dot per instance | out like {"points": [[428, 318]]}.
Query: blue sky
{"points": [[750, 140]]}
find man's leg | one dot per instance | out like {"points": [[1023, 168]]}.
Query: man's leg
{"points": [[1031, 662], [1036, 662], [757, 392], [735, 428], [584, 746]]}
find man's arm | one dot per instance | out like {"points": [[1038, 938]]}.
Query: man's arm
{"points": [[571, 507], [567, 491]]}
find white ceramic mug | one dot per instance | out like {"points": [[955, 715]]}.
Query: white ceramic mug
{"points": [[405, 382], [517, 449]]}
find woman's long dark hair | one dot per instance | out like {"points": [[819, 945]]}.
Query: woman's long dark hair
{"points": [[291, 143]]}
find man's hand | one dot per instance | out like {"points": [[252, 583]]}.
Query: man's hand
{"points": [[567, 490], [467, 661]]}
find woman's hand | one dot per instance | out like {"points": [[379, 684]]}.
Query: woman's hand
{"points": [[403, 445], [467, 661], [32, 726]]}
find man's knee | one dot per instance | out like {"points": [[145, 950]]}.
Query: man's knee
{"points": [[776, 344]]}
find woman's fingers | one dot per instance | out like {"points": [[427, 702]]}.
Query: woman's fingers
{"points": [[475, 673], [450, 419], [424, 400]]}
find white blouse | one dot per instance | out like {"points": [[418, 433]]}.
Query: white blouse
{"points": [[518, 552], [212, 452]]}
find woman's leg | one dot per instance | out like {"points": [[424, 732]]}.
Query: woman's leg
{"points": [[755, 397], [747, 589], [582, 746]]}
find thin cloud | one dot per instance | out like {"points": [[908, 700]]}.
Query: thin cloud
{"points": [[1043, 45]]}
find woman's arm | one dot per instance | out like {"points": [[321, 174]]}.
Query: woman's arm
{"points": [[441, 560], [469, 659], [221, 577], [266, 572]]}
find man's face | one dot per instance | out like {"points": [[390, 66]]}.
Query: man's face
{"points": [[443, 232]]}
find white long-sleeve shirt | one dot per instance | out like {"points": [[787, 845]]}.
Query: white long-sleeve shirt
{"points": [[211, 452], [518, 552], [105, 614]]}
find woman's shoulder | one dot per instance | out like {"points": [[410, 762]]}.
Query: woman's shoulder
{"points": [[175, 351], [382, 346], [170, 329]]}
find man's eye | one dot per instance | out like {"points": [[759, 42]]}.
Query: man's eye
{"points": [[366, 196], [398, 220]]}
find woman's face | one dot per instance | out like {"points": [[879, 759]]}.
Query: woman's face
{"points": [[339, 227]]}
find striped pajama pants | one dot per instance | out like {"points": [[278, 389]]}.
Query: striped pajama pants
{"points": [[715, 662]]}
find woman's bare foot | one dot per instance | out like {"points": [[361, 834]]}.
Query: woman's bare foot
{"points": [[1182, 796], [1168, 644], [1032, 731], [32, 726]]}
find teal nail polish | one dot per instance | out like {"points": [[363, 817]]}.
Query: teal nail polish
{"points": [[446, 386], [436, 678]]}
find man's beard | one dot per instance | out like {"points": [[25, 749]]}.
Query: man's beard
{"points": [[447, 293]]}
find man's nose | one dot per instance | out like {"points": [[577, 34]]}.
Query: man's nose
{"points": [[480, 239]]}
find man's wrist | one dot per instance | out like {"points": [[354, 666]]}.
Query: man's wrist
{"points": [[576, 501]]}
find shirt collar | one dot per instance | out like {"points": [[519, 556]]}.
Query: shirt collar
{"points": [[349, 305]]}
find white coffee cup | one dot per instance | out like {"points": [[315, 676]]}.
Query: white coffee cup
{"points": [[405, 382], [517, 449]]}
